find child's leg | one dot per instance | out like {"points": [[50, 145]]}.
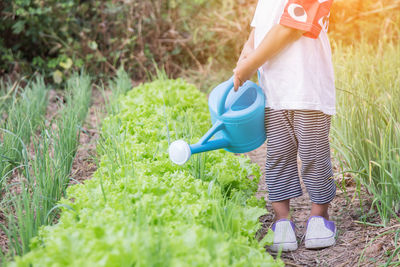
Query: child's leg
{"points": [[320, 210], [312, 132], [281, 166], [281, 209]]}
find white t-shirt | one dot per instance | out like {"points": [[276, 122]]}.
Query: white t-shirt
{"points": [[300, 76]]}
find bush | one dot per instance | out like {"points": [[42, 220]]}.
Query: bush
{"points": [[59, 36], [55, 35]]}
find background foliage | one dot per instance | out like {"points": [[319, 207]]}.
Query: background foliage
{"points": [[56, 37]]}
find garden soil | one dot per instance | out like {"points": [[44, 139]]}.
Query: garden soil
{"points": [[354, 237]]}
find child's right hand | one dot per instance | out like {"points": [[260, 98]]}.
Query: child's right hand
{"points": [[243, 71]]}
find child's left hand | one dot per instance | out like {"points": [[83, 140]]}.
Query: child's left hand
{"points": [[243, 72]]}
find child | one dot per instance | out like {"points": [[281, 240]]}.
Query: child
{"points": [[289, 46]]}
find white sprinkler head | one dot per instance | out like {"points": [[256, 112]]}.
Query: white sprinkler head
{"points": [[179, 152]]}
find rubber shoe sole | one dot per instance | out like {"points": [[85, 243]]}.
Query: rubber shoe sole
{"points": [[285, 247], [320, 243]]}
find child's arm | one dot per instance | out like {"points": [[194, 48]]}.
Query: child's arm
{"points": [[277, 38], [300, 17], [248, 47]]}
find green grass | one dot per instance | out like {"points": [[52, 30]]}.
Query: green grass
{"points": [[8, 92], [24, 114], [366, 131], [118, 85], [69, 124], [33, 202]]}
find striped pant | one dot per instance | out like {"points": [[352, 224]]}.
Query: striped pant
{"points": [[303, 132]]}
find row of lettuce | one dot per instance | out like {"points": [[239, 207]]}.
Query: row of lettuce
{"points": [[142, 210]]}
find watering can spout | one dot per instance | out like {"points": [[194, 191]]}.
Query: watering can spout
{"points": [[180, 151], [238, 122]]}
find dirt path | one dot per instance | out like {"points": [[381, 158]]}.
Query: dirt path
{"points": [[84, 164], [353, 237]]}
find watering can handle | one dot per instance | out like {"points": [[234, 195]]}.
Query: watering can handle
{"points": [[221, 104]]}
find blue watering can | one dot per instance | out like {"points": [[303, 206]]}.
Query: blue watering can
{"points": [[238, 122]]}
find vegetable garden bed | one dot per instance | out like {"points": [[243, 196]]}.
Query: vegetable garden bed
{"points": [[142, 210]]}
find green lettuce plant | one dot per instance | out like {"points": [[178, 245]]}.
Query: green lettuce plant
{"points": [[140, 209]]}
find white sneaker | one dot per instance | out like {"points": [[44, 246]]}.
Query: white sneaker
{"points": [[284, 236], [320, 233]]}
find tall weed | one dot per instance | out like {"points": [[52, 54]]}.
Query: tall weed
{"points": [[118, 85], [366, 132], [23, 116], [44, 184]]}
